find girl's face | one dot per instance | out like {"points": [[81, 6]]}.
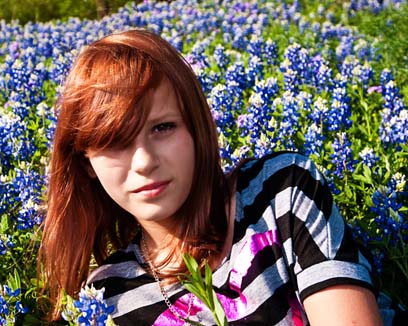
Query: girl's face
{"points": [[152, 177]]}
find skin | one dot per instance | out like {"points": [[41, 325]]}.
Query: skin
{"points": [[343, 305], [152, 177]]}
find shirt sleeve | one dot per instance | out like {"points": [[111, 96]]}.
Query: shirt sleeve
{"points": [[317, 244]]}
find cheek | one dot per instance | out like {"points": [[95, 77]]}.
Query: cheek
{"points": [[110, 176]]}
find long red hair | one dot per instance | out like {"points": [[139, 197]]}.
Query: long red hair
{"points": [[105, 102]]}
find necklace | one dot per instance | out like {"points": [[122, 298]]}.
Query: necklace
{"points": [[146, 255]]}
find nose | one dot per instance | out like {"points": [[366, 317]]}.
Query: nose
{"points": [[145, 159]]}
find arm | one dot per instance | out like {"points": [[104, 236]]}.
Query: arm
{"points": [[342, 305]]}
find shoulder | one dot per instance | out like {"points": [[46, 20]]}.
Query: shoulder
{"points": [[284, 166], [273, 186]]}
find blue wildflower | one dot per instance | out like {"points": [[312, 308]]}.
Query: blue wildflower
{"points": [[313, 140], [342, 158], [368, 157], [236, 73], [339, 114], [221, 58], [91, 307], [295, 67], [387, 204], [394, 124], [254, 72], [322, 74], [270, 52]]}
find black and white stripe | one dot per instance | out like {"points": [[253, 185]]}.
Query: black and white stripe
{"points": [[282, 192]]}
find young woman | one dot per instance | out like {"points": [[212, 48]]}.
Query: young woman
{"points": [[135, 170]]}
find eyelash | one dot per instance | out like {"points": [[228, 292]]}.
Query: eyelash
{"points": [[164, 127]]}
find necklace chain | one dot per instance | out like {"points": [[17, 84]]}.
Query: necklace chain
{"points": [[146, 255]]}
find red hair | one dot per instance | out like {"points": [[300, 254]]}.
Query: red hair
{"points": [[105, 102]]}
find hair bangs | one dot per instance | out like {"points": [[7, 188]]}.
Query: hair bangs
{"points": [[113, 97]]}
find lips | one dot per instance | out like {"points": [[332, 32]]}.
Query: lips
{"points": [[152, 189]]}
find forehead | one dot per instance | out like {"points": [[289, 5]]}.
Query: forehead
{"points": [[164, 101]]}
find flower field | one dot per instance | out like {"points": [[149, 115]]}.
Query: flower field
{"points": [[325, 78]]}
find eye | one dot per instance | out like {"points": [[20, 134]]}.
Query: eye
{"points": [[164, 127]]}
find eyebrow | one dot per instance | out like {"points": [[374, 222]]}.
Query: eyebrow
{"points": [[165, 116]]}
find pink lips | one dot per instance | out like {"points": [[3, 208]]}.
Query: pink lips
{"points": [[153, 189]]}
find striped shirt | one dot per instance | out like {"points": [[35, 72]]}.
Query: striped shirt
{"points": [[289, 242]]}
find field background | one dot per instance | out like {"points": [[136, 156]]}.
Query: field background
{"points": [[325, 78]]}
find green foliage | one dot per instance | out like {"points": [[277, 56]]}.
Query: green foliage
{"points": [[46, 10], [390, 27], [387, 30], [202, 288]]}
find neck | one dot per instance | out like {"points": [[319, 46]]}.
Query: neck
{"points": [[159, 243], [156, 234]]}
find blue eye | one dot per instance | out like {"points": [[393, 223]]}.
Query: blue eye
{"points": [[163, 127]]}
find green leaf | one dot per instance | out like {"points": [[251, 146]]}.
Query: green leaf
{"points": [[208, 285], [4, 225], [203, 289], [367, 174], [221, 318]]}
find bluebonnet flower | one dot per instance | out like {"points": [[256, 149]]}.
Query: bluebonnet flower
{"points": [[245, 123], [322, 74], [375, 6], [377, 265], [320, 111], [10, 305], [236, 73], [392, 97], [313, 140], [270, 52], [387, 203], [327, 30], [304, 25], [15, 140], [342, 158], [346, 69], [226, 153], [22, 196], [363, 74], [339, 114], [239, 154], [255, 46], [206, 79], [258, 119], [289, 123], [254, 71], [197, 54], [240, 38], [364, 50], [6, 242], [264, 145], [295, 67], [368, 157], [236, 94], [60, 65], [90, 307], [220, 104], [385, 77], [256, 109], [221, 58], [314, 135], [267, 89], [394, 124], [345, 48]]}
